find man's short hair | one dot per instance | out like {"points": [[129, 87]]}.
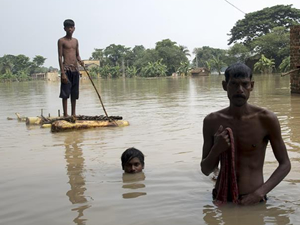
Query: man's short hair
{"points": [[131, 153], [69, 23], [238, 70]]}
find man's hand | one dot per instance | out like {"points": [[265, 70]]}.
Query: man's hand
{"points": [[251, 199], [222, 139], [64, 78]]}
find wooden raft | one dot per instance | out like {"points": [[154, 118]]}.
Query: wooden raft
{"points": [[59, 124], [62, 125]]}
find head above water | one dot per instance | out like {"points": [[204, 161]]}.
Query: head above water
{"points": [[69, 23], [238, 70], [132, 160]]}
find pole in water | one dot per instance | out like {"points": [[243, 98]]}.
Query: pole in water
{"points": [[41, 112], [96, 91]]}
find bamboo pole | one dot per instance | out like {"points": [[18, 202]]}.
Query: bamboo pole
{"points": [[96, 90]]}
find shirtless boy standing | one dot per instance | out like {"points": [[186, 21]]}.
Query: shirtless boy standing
{"points": [[68, 56], [252, 127]]}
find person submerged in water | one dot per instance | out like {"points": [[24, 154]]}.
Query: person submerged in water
{"points": [[252, 128], [132, 160]]}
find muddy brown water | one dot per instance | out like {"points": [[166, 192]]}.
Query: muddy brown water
{"points": [[76, 177]]}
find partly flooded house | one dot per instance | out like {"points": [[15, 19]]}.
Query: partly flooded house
{"points": [[88, 64], [200, 71]]}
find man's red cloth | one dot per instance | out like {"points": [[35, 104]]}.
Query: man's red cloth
{"points": [[228, 188]]}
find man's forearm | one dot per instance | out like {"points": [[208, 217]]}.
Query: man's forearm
{"points": [[210, 162], [277, 176]]}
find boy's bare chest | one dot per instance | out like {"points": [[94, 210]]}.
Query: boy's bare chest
{"points": [[69, 44]]}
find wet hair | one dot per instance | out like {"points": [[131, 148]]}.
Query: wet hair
{"points": [[238, 70], [131, 153], [69, 23]]}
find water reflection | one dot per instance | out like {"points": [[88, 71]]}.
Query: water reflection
{"points": [[75, 169], [134, 182], [260, 214]]}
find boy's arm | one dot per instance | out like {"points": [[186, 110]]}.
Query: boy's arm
{"points": [[213, 146], [281, 156], [64, 78], [78, 56]]}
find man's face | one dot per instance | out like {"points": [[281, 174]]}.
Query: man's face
{"points": [[69, 30], [133, 166], [238, 90]]}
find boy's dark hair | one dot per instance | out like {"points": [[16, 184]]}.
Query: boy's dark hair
{"points": [[131, 153], [69, 23], [238, 70]]}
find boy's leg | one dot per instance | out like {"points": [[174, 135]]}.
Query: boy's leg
{"points": [[65, 106], [73, 104]]}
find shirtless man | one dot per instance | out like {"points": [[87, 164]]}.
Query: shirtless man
{"points": [[253, 127], [68, 56]]}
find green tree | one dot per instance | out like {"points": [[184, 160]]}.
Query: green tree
{"points": [[264, 65], [208, 65], [98, 54], [217, 64], [261, 22], [238, 53], [6, 64], [155, 69], [21, 63], [95, 71], [285, 64], [184, 68], [149, 55], [105, 71], [184, 50], [171, 55], [38, 60], [206, 53], [273, 45], [115, 54], [115, 71], [131, 71]]}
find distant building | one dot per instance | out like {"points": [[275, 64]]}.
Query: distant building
{"points": [[88, 64], [53, 76], [38, 76]]}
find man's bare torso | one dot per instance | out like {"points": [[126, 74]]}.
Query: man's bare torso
{"points": [[251, 139]]}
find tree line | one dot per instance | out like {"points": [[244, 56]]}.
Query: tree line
{"points": [[19, 67], [261, 40]]}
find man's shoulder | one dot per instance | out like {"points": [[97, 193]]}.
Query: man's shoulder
{"points": [[265, 116], [214, 116], [263, 112]]}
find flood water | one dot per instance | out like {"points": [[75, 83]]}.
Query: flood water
{"points": [[76, 178]]}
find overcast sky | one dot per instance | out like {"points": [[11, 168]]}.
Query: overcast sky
{"points": [[32, 27]]}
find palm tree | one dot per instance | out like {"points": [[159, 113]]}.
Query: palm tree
{"points": [[184, 50], [217, 64]]}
